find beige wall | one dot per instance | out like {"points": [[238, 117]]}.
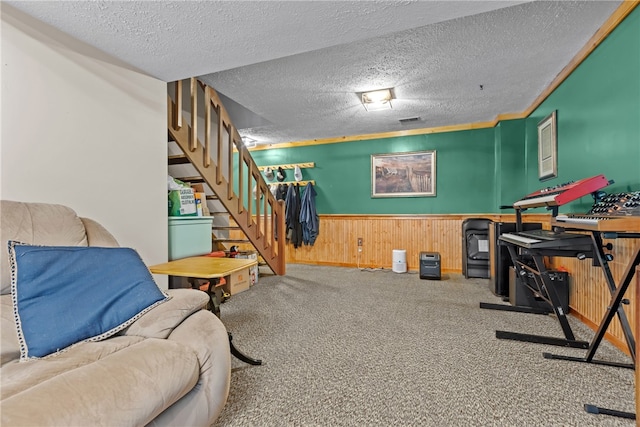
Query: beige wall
{"points": [[81, 129]]}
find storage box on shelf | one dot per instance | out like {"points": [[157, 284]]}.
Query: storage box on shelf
{"points": [[189, 236]]}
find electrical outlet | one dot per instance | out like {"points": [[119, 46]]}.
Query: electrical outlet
{"points": [[359, 241]]}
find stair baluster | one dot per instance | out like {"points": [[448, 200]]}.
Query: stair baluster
{"points": [[260, 227]]}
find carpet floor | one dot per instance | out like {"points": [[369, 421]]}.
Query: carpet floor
{"points": [[350, 347]]}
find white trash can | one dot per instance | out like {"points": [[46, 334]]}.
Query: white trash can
{"points": [[399, 261]]}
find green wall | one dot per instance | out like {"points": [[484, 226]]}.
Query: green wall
{"points": [[464, 173], [598, 116], [598, 113], [510, 162]]}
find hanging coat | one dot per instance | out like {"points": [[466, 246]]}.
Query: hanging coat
{"points": [[309, 216], [281, 192], [292, 215]]}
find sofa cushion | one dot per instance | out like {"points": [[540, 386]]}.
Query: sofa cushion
{"points": [[97, 235], [37, 224], [66, 294], [162, 320], [122, 381]]}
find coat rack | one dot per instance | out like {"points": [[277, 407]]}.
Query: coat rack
{"points": [[290, 166], [302, 183]]}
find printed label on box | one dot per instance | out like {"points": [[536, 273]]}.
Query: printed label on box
{"points": [[253, 271], [238, 282], [182, 202]]}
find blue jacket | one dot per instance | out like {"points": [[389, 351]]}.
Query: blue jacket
{"points": [[308, 216]]}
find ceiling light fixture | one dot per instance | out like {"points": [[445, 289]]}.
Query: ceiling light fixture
{"points": [[377, 99]]}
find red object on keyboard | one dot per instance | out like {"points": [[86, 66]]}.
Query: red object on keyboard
{"points": [[563, 193]]}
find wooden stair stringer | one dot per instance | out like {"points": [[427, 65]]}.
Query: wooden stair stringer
{"points": [[274, 257]]}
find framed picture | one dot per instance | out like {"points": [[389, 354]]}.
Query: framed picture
{"points": [[403, 174], [547, 148]]}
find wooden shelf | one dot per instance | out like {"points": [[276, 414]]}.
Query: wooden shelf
{"points": [[289, 166], [302, 183]]}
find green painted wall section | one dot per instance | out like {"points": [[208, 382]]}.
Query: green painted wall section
{"points": [[464, 173], [598, 116], [510, 162], [598, 109]]}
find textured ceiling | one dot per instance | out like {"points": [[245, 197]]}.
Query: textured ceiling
{"points": [[293, 68]]}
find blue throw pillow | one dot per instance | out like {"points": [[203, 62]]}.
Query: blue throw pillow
{"points": [[66, 294]]}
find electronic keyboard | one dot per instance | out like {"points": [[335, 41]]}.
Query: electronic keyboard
{"points": [[561, 194], [546, 239]]}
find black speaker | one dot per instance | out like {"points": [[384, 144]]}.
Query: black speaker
{"points": [[430, 265], [521, 295]]}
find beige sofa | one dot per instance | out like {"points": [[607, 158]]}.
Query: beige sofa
{"points": [[171, 367]]}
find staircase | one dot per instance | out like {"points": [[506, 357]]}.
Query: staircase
{"points": [[211, 144]]}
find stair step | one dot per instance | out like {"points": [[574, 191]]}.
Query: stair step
{"points": [[178, 159], [239, 230], [192, 179]]}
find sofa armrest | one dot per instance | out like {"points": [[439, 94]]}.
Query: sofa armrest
{"points": [[9, 346], [206, 335], [97, 235], [160, 321]]}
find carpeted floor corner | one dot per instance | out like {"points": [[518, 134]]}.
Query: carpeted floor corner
{"points": [[347, 347]]}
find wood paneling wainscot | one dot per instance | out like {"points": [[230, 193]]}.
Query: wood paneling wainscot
{"points": [[337, 243]]}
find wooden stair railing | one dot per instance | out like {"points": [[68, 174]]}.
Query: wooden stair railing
{"points": [[262, 218]]}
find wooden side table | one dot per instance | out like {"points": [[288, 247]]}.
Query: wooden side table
{"points": [[213, 269]]}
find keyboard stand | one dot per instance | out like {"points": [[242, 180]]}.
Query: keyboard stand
{"points": [[545, 288], [515, 308], [592, 409], [613, 308]]}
